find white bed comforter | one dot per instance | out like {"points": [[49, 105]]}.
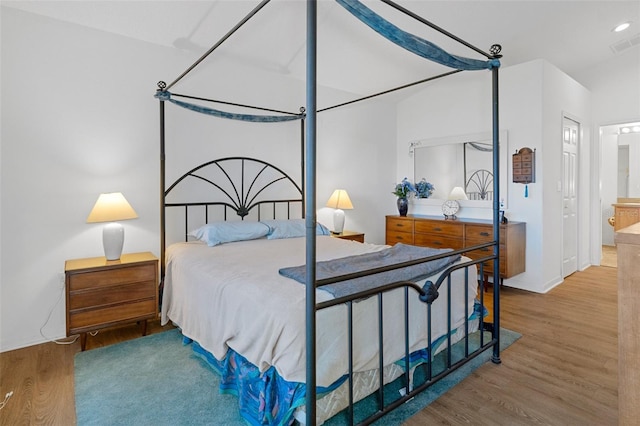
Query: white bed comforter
{"points": [[232, 295]]}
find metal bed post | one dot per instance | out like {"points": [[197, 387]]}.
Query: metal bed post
{"points": [[310, 211], [161, 86], [495, 50], [302, 160]]}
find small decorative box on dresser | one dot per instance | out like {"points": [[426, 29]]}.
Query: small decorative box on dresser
{"points": [[350, 235], [102, 293], [436, 232]]}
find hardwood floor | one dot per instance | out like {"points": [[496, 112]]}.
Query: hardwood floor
{"points": [[41, 378], [609, 256], [563, 371]]}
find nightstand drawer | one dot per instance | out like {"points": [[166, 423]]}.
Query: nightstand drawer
{"points": [[89, 319], [111, 295], [114, 276]]}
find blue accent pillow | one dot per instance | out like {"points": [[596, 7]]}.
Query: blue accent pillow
{"points": [[225, 232], [293, 228]]}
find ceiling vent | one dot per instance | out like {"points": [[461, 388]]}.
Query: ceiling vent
{"points": [[626, 44]]}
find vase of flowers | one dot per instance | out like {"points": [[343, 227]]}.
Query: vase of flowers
{"points": [[403, 190], [424, 189], [403, 206]]}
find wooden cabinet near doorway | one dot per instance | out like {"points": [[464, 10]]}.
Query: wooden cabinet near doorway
{"points": [[626, 214], [436, 232]]}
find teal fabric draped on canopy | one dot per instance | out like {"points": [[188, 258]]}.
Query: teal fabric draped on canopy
{"points": [[412, 43], [164, 95]]}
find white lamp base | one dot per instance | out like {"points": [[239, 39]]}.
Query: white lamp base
{"points": [[113, 240], [338, 221]]}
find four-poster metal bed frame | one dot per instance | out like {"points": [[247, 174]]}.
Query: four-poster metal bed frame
{"points": [[308, 115]]}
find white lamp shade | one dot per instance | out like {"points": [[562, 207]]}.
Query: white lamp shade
{"points": [[457, 193], [111, 208], [339, 200]]}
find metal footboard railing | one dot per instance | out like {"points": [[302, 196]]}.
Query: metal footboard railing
{"points": [[427, 294]]}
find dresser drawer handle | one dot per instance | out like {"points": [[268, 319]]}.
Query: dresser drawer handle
{"points": [[484, 234], [400, 225], [437, 229]]}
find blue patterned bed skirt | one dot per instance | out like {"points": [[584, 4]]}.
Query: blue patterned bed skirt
{"points": [[268, 399]]}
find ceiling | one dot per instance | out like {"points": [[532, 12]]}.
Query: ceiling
{"points": [[573, 35]]}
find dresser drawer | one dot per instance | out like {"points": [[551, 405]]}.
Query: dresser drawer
{"points": [[114, 276], [479, 233], [437, 241], [396, 224], [111, 295], [89, 319], [448, 229], [394, 237], [488, 266]]}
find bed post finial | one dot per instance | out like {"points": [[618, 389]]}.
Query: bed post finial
{"points": [[161, 86], [495, 50], [302, 110]]}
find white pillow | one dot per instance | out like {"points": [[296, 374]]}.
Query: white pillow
{"points": [[224, 232], [293, 228]]}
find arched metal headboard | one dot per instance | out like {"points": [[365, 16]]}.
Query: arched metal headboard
{"points": [[480, 185], [241, 185]]}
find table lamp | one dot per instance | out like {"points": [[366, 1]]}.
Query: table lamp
{"points": [[339, 201], [457, 193], [112, 207]]}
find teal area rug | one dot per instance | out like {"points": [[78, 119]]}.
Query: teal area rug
{"points": [[155, 380]]}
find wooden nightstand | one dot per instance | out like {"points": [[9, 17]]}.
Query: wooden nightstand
{"points": [[103, 293], [350, 235]]}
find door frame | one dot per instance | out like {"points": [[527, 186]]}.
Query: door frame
{"points": [[596, 195]]}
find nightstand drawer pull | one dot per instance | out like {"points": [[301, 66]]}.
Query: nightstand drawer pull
{"points": [[484, 234]]}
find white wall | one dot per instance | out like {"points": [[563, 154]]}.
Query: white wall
{"points": [[76, 122], [563, 96], [533, 97], [79, 118]]}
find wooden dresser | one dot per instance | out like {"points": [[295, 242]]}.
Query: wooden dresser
{"points": [[436, 232], [102, 293]]}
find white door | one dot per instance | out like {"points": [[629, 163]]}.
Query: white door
{"points": [[570, 142]]}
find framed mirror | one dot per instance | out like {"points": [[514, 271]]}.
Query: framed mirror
{"points": [[464, 161]]}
